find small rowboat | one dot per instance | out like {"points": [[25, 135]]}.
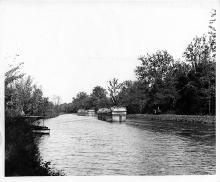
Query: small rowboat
{"points": [[40, 129]]}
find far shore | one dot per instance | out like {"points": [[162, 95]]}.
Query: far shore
{"points": [[194, 119]]}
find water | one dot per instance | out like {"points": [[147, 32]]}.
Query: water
{"points": [[81, 145]]}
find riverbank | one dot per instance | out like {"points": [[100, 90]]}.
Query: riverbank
{"points": [[191, 119], [22, 156]]}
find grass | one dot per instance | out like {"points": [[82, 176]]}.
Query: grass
{"points": [[173, 117]]}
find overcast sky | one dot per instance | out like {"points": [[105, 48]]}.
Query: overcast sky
{"points": [[70, 47]]}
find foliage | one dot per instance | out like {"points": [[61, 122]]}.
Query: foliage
{"points": [[82, 100], [133, 96], [184, 86], [154, 67], [22, 97], [212, 33], [99, 98], [114, 89]]}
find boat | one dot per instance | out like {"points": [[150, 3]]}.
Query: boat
{"points": [[118, 114], [113, 114], [40, 129], [82, 112], [91, 112], [104, 114]]}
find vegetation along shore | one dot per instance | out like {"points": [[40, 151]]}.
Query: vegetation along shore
{"points": [[22, 97], [190, 119]]}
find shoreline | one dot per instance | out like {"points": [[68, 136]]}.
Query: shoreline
{"points": [[22, 157], [191, 119]]}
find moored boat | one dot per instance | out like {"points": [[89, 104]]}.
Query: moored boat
{"points": [[40, 129], [81, 112], [114, 114], [91, 112]]}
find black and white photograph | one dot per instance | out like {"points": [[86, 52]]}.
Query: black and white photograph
{"points": [[108, 88]]}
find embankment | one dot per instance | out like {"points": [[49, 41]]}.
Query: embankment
{"points": [[22, 156], [191, 119]]}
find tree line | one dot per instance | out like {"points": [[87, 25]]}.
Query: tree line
{"points": [[22, 97], [185, 86]]}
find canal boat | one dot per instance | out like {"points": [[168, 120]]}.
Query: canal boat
{"points": [[82, 112], [114, 114], [91, 112], [118, 114], [104, 114]]}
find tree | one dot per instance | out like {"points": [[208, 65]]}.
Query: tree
{"points": [[56, 100], [155, 71], [99, 92], [212, 34], [82, 101], [23, 95], [133, 96], [198, 51], [154, 67], [11, 77], [37, 101], [99, 98], [114, 88], [201, 78]]}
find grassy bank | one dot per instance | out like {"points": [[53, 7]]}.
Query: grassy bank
{"points": [[22, 156], [209, 120]]}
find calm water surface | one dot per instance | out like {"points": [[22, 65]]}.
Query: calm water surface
{"points": [[81, 145]]}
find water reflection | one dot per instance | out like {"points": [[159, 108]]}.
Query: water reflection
{"points": [[81, 145]]}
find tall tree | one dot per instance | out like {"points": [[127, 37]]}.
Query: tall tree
{"points": [[212, 33], [23, 95], [11, 77], [155, 72], [198, 51], [154, 66], [201, 85], [114, 89], [99, 98]]}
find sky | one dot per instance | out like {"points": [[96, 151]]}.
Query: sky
{"points": [[73, 46]]}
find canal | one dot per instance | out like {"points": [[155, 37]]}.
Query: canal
{"points": [[81, 145]]}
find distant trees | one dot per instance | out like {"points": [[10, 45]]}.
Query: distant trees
{"points": [[99, 98], [81, 101]]}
